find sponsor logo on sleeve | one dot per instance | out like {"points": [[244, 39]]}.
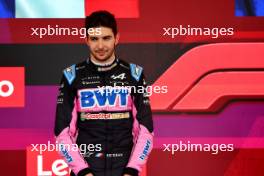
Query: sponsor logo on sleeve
{"points": [[145, 151]]}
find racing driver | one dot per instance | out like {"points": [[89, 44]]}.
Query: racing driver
{"points": [[115, 124]]}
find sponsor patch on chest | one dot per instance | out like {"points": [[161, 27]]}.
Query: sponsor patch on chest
{"points": [[97, 100]]}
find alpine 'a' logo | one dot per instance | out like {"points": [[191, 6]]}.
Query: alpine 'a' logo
{"points": [[121, 76]]}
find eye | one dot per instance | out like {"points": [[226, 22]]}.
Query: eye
{"points": [[93, 38], [107, 37]]}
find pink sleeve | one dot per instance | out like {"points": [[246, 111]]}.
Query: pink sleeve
{"points": [[71, 153], [141, 150]]}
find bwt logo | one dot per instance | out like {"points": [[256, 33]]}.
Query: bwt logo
{"points": [[146, 150], [90, 98], [12, 86]]}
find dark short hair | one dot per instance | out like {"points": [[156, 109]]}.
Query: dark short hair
{"points": [[101, 18]]}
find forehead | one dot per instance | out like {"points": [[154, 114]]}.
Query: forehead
{"points": [[100, 32]]}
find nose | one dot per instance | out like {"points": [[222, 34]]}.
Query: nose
{"points": [[100, 44]]}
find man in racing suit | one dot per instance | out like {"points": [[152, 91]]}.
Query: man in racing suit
{"points": [[96, 108]]}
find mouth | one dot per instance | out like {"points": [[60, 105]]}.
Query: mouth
{"points": [[101, 53]]}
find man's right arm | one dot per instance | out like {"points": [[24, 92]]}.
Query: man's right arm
{"points": [[65, 125]]}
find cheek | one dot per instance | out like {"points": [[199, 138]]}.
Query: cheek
{"points": [[92, 47], [111, 44]]}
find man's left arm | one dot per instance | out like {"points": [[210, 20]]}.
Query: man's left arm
{"points": [[144, 139]]}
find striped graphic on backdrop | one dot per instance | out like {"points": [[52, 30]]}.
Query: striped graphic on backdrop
{"points": [[66, 8]]}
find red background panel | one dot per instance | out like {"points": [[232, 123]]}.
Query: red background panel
{"points": [[202, 61], [241, 162], [13, 162], [218, 88], [44, 162]]}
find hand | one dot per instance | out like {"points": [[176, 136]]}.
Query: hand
{"points": [[89, 174], [127, 175]]}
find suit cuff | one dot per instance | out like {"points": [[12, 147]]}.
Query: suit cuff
{"points": [[130, 171], [85, 171]]}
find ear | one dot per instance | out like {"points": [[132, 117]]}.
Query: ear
{"points": [[117, 38]]}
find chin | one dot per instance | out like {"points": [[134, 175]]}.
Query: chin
{"points": [[102, 59]]}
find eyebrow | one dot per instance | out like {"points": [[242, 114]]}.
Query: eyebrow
{"points": [[107, 36], [104, 37]]}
